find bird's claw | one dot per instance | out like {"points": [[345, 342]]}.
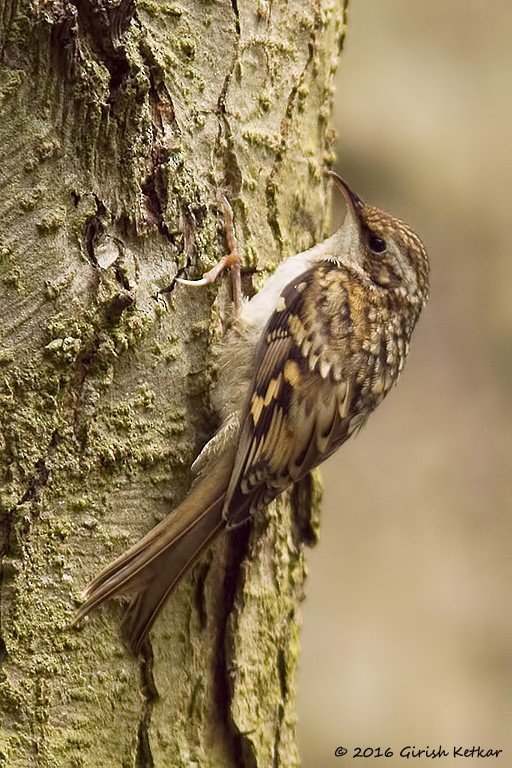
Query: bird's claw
{"points": [[231, 260], [195, 283]]}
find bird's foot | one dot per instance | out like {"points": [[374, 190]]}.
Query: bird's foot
{"points": [[231, 261]]}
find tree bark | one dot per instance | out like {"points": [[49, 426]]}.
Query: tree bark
{"points": [[120, 124]]}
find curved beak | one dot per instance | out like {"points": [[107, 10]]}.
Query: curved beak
{"points": [[354, 202]]}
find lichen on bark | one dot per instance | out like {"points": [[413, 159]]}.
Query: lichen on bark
{"points": [[120, 125]]}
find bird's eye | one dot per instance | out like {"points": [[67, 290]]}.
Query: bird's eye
{"points": [[377, 244]]}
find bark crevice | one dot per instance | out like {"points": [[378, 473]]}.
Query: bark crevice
{"points": [[144, 756]]}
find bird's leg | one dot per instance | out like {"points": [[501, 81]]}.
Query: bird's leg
{"points": [[231, 260]]}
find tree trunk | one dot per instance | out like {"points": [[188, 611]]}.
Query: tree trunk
{"points": [[120, 125]]}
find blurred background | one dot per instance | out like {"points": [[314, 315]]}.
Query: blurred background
{"points": [[407, 623]]}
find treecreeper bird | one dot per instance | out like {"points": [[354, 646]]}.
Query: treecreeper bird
{"points": [[308, 359]]}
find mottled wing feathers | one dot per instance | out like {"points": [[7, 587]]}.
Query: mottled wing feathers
{"points": [[295, 414]]}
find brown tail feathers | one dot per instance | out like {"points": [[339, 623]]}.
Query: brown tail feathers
{"points": [[155, 564]]}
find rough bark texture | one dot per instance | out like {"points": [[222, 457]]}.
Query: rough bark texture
{"points": [[119, 124]]}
